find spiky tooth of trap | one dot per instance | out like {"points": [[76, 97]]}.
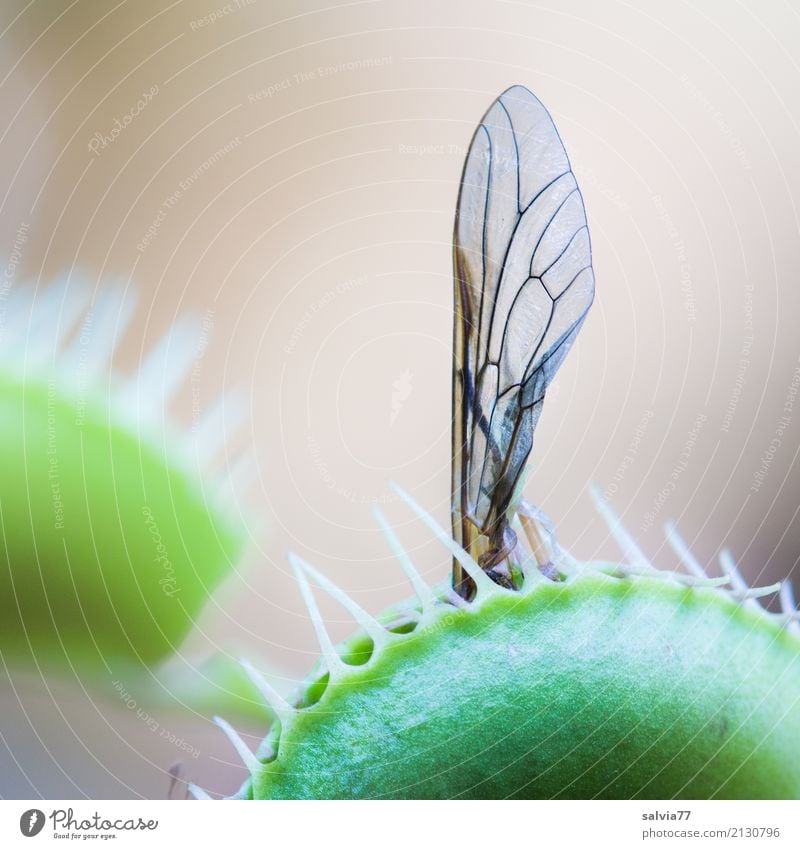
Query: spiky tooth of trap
{"points": [[103, 327], [38, 317], [33, 308], [454, 599], [760, 592], [630, 550], [56, 315], [732, 575], [14, 314], [163, 368], [275, 701], [483, 583], [198, 792], [333, 662], [248, 758], [368, 623], [729, 567], [697, 577], [789, 609], [683, 551], [788, 604], [739, 588], [425, 594], [747, 595]]}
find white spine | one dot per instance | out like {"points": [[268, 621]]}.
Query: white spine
{"points": [[197, 792], [683, 551], [370, 625], [483, 582], [163, 369], [275, 701], [630, 550], [423, 591], [89, 355], [789, 607], [334, 663], [248, 758]]}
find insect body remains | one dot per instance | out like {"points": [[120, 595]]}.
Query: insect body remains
{"points": [[523, 285]]}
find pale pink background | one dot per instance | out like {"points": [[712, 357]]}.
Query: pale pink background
{"points": [[321, 244]]}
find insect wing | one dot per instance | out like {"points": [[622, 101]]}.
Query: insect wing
{"points": [[523, 285]]}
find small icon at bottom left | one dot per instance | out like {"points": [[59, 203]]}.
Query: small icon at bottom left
{"points": [[31, 822]]}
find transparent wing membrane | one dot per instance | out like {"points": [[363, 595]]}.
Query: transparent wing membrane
{"points": [[523, 285]]}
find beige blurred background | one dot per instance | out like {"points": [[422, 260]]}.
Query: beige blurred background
{"points": [[326, 143]]}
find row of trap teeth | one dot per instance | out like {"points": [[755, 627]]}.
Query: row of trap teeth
{"points": [[636, 564], [731, 580], [68, 332]]}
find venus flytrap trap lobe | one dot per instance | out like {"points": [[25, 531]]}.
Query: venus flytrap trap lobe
{"points": [[113, 539], [532, 674], [608, 684]]}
